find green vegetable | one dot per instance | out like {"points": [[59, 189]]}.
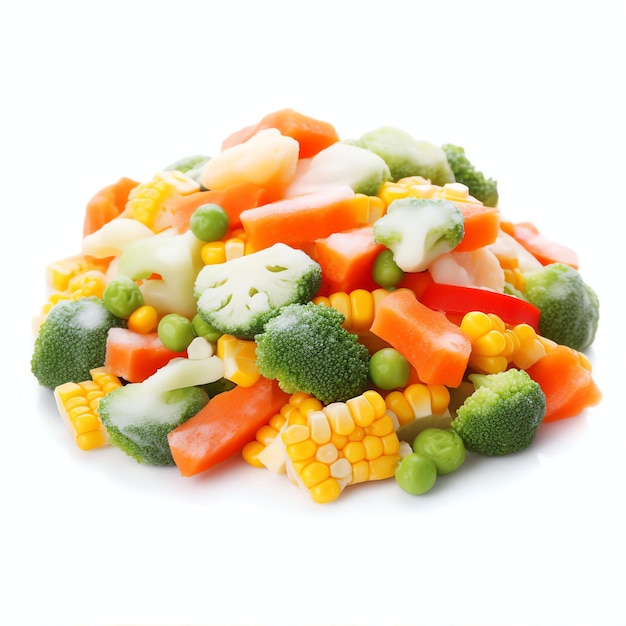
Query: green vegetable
{"points": [[481, 188], [341, 164], [175, 332], [416, 474], [209, 222], [570, 308], [72, 341], [239, 296], [176, 260], [417, 231], [306, 348], [406, 156], [444, 447], [502, 415], [191, 166], [139, 416], [385, 270], [122, 296], [388, 369], [204, 329]]}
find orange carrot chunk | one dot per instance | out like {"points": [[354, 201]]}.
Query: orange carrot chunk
{"points": [[542, 248], [226, 424], [313, 135], [433, 345], [299, 220], [481, 224], [568, 385], [347, 259], [233, 200], [106, 205], [135, 356]]}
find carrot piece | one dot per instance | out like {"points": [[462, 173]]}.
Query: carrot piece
{"points": [[313, 135], [568, 385], [135, 356], [106, 205], [482, 225], [347, 259], [233, 200], [542, 248], [433, 345], [301, 219], [224, 426]]}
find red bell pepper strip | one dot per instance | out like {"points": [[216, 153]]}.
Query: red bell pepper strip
{"points": [[458, 300]]}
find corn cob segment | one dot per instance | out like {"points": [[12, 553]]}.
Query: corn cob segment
{"points": [[323, 449], [78, 405]]}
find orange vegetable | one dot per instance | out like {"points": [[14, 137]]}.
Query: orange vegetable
{"points": [[226, 424], [481, 223], [542, 248], [106, 205], [346, 259], [135, 356], [313, 135], [567, 383], [233, 200], [299, 220], [433, 345], [417, 282]]}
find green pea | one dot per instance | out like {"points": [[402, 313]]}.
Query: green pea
{"points": [[442, 446], [176, 332], [122, 296], [209, 222], [389, 369], [203, 329], [385, 271], [416, 474]]}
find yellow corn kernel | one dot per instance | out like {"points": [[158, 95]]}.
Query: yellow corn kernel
{"points": [[376, 209], [439, 399], [90, 283], [362, 309], [341, 301], [492, 343], [326, 491], [213, 252], [239, 357], [340, 418], [475, 324], [144, 320], [59, 273], [365, 210], [361, 411], [147, 200], [234, 247], [488, 364], [251, 451], [531, 348], [78, 405], [399, 406], [515, 277], [455, 192]]}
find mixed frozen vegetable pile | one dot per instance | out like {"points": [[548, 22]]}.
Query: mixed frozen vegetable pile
{"points": [[337, 310]]}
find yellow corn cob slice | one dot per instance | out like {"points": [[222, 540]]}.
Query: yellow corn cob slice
{"points": [[78, 405]]}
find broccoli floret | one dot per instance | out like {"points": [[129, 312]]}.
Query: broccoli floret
{"points": [[139, 416], [481, 188], [417, 231], [570, 308], [239, 296], [72, 341], [406, 156], [306, 348], [502, 415]]}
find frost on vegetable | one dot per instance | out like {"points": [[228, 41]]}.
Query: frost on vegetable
{"points": [[139, 416], [483, 189], [570, 308], [72, 341], [306, 348], [406, 156], [417, 231], [340, 164], [238, 297]]}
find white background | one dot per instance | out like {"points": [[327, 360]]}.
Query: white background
{"points": [[93, 91]]}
